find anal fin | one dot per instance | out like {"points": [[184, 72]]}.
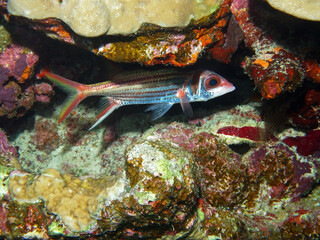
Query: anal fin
{"points": [[108, 106]]}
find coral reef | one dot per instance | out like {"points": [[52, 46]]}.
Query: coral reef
{"points": [[175, 180], [223, 174], [241, 168], [46, 138], [163, 47], [287, 174], [5, 38]]}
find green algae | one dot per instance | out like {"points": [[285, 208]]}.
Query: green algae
{"points": [[4, 175], [145, 196], [56, 228], [160, 159], [5, 38]]}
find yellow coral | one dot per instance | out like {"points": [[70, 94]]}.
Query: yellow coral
{"points": [[74, 199], [93, 18], [309, 9]]}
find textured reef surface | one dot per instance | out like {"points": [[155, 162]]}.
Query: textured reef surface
{"points": [[245, 166]]}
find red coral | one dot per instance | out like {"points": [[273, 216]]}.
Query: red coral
{"points": [[284, 172], [307, 145], [274, 71], [272, 68], [224, 49], [308, 116], [312, 70], [252, 133]]}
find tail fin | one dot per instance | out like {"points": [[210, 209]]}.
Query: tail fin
{"points": [[75, 91]]}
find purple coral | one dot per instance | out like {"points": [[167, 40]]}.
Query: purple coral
{"points": [[17, 92], [283, 169], [7, 94], [6, 150], [43, 92]]}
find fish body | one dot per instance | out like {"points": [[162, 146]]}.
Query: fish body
{"points": [[161, 88]]}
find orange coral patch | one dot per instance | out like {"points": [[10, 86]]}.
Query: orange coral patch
{"points": [[277, 49], [25, 75], [262, 63], [270, 89]]}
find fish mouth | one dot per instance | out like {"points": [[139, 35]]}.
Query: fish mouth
{"points": [[224, 88], [227, 85]]}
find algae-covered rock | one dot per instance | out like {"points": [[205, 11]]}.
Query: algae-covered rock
{"points": [[162, 195]]}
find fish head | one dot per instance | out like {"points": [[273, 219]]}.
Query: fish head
{"points": [[211, 85]]}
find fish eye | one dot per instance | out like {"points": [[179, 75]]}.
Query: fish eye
{"points": [[211, 82]]}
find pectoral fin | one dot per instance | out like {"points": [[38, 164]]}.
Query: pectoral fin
{"points": [[185, 104], [108, 105], [158, 110]]}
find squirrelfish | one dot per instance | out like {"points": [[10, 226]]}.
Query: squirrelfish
{"points": [[161, 88]]}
